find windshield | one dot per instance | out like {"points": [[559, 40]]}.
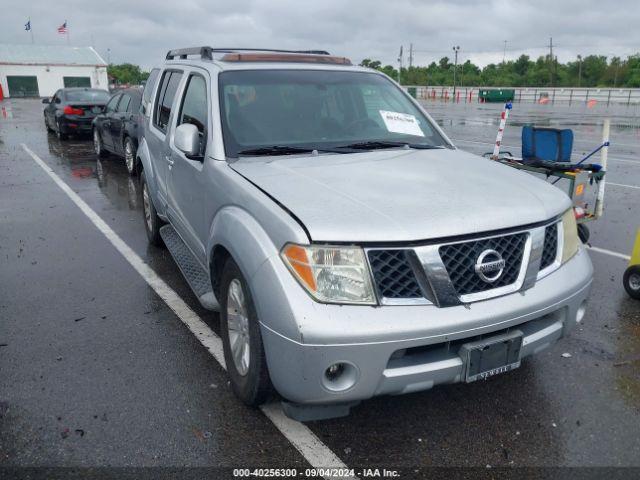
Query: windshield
{"points": [[87, 96], [314, 109]]}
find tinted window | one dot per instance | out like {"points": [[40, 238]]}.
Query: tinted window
{"points": [[100, 96], [111, 106], [166, 94], [316, 109], [124, 103], [149, 86], [194, 107]]}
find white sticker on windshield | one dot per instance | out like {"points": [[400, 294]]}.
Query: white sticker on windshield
{"points": [[401, 123]]}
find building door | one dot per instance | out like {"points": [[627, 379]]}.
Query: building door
{"points": [[70, 82], [22, 86]]}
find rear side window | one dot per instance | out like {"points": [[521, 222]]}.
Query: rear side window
{"points": [[111, 106], [124, 103], [194, 108], [164, 101]]}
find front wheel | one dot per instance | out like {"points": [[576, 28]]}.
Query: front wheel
{"points": [[152, 222], [631, 280], [130, 156], [241, 338]]}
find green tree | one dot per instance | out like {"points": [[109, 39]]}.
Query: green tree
{"points": [[126, 73]]}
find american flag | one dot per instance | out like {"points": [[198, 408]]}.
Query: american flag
{"points": [[62, 29]]}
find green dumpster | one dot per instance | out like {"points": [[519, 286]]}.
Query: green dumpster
{"points": [[496, 94]]}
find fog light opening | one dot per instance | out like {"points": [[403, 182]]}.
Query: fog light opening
{"points": [[582, 309], [340, 376]]}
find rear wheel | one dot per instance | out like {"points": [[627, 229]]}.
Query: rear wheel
{"points": [[241, 338], [97, 144], [59, 133], [152, 221], [130, 156], [631, 281]]}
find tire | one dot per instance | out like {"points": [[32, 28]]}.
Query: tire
{"points": [[583, 233], [98, 147], [631, 280], [130, 156], [251, 384], [59, 134], [152, 222]]}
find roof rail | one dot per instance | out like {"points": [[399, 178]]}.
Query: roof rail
{"points": [[206, 53]]}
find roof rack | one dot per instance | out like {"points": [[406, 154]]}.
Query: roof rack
{"points": [[206, 53]]}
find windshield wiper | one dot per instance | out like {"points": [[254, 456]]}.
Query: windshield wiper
{"points": [[379, 144], [285, 150]]}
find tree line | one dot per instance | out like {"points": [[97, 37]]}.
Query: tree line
{"points": [[126, 74], [589, 71]]}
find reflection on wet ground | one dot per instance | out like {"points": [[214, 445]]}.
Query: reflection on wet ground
{"points": [[554, 410]]}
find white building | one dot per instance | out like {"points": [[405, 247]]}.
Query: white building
{"points": [[40, 70]]}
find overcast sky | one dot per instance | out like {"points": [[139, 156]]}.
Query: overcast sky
{"points": [[141, 31]]}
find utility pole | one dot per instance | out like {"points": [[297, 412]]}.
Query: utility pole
{"points": [[579, 70], [504, 52], [410, 55], [551, 62], [400, 65], [455, 67]]}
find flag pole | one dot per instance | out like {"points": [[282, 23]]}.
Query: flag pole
{"points": [[67, 24], [30, 30]]}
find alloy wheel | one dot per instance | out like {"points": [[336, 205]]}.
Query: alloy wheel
{"points": [[238, 327]]}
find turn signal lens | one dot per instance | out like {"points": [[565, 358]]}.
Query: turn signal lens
{"points": [[570, 235], [331, 274]]}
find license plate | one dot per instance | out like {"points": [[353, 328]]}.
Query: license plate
{"points": [[491, 356]]}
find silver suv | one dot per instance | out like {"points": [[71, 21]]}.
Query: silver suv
{"points": [[350, 248]]}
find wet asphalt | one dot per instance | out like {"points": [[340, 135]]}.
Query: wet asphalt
{"points": [[95, 370]]}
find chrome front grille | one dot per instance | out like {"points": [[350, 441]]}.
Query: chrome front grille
{"points": [[393, 275], [460, 258], [550, 249], [445, 274]]}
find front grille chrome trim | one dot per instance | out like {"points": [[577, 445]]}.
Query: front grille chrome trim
{"points": [[436, 284]]}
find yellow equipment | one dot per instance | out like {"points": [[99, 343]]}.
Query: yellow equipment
{"points": [[631, 277]]}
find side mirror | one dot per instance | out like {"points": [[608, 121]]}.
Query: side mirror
{"points": [[46, 100], [187, 139]]}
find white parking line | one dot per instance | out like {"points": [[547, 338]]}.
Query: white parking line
{"points": [[304, 440], [623, 185], [609, 252]]}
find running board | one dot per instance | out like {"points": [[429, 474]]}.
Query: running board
{"points": [[196, 276]]}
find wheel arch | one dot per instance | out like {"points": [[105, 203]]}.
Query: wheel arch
{"points": [[236, 234]]}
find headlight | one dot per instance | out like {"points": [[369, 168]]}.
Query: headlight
{"points": [[331, 274], [570, 235]]}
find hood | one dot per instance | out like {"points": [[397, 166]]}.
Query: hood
{"points": [[402, 195]]}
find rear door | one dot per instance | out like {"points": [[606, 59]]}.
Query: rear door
{"points": [[187, 182], [117, 123], [156, 135], [105, 124]]}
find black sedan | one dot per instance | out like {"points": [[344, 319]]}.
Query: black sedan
{"points": [[116, 129], [71, 110]]}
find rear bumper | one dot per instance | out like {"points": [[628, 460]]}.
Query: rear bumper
{"points": [[71, 125], [410, 348]]}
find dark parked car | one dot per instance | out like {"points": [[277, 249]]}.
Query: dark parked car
{"points": [[115, 130], [71, 110]]}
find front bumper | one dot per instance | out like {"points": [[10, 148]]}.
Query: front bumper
{"points": [[400, 349]]}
